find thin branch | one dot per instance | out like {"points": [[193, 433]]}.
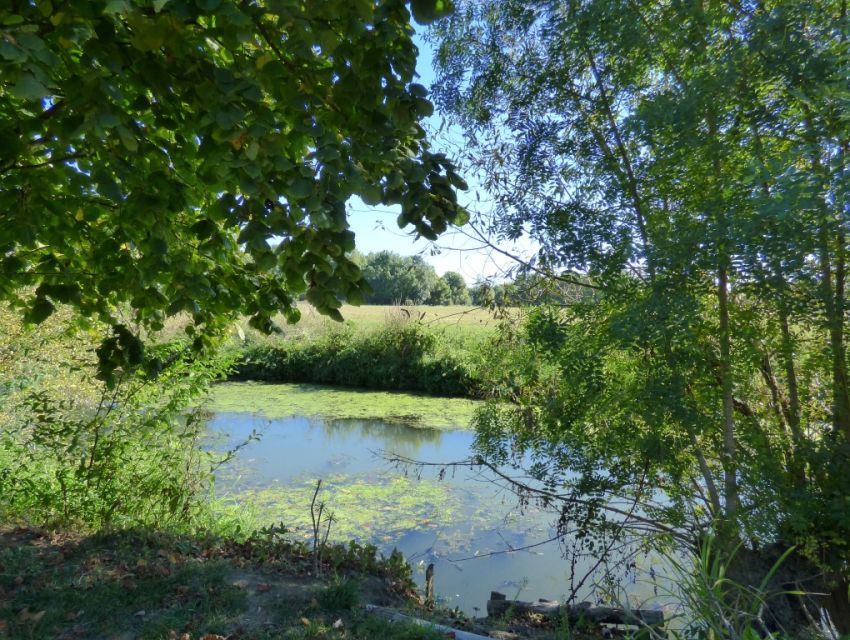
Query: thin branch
{"points": [[522, 487], [527, 265]]}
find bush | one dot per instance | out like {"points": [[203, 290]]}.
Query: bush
{"points": [[398, 356], [342, 594], [73, 452]]}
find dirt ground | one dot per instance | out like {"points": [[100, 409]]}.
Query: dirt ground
{"points": [[138, 584]]}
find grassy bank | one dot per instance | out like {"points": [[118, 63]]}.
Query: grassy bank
{"points": [[432, 350], [143, 584], [153, 585]]}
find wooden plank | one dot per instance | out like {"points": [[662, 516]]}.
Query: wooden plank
{"points": [[500, 606]]}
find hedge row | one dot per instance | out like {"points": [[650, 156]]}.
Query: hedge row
{"points": [[405, 358]]}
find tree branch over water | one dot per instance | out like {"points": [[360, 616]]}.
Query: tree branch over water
{"points": [[631, 521]]}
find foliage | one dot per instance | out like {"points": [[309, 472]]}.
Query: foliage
{"points": [[527, 289], [275, 543], [342, 594], [174, 155], [396, 279], [404, 356], [73, 452], [687, 162], [409, 280], [441, 293], [716, 607], [457, 285]]}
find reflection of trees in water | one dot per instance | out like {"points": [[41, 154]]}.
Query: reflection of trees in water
{"points": [[396, 436]]}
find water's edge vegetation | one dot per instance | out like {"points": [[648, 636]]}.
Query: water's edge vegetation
{"points": [[402, 358], [387, 348]]}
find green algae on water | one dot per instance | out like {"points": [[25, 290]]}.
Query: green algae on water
{"points": [[366, 509], [334, 403]]}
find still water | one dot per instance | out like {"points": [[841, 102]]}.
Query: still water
{"points": [[453, 522]]}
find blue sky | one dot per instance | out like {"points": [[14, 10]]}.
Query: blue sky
{"points": [[376, 228]]}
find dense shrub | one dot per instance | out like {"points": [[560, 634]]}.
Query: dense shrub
{"points": [[398, 356], [76, 453]]}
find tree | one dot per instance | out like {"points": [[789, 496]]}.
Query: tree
{"points": [[396, 279], [441, 293], [457, 285], [153, 152], [689, 162]]}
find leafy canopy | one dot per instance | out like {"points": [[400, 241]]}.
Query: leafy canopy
{"points": [[690, 161], [196, 156], [396, 279]]}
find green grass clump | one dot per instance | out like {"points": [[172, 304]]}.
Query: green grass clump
{"points": [[342, 594], [375, 627]]}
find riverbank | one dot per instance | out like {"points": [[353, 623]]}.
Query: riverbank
{"points": [[145, 584], [432, 350], [153, 585]]}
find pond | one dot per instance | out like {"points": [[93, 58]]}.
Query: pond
{"points": [[462, 522]]}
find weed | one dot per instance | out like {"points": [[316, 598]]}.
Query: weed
{"points": [[714, 606], [406, 356], [74, 452], [342, 594]]}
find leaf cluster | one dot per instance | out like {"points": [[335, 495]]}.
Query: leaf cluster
{"points": [[169, 156]]}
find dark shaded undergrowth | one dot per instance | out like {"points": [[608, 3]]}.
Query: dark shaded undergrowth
{"points": [[152, 585], [146, 584]]}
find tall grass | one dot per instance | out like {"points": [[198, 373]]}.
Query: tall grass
{"points": [[401, 354], [713, 606]]}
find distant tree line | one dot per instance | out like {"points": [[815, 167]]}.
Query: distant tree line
{"points": [[526, 289], [397, 279]]}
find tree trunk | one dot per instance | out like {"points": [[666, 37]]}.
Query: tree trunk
{"points": [[832, 294], [730, 467]]}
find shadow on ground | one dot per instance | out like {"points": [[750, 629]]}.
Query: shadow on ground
{"points": [[138, 584]]}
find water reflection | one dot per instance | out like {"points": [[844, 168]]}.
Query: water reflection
{"points": [[396, 436], [432, 520]]}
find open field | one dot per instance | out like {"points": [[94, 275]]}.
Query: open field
{"points": [[466, 319], [464, 322]]}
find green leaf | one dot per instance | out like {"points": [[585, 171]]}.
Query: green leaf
{"points": [[371, 194], [10, 52], [424, 107], [29, 88], [148, 35], [301, 188], [114, 7], [40, 310], [13, 19], [208, 5], [427, 11], [418, 90], [127, 138]]}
